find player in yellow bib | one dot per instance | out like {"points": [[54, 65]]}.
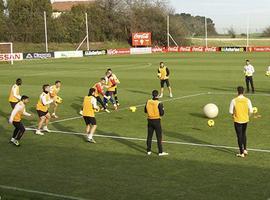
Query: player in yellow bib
{"points": [[88, 112], [163, 75], [154, 110], [14, 95], [16, 118], [54, 90], [42, 107], [240, 109]]}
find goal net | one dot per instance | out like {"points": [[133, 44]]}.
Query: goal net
{"points": [[6, 52]]}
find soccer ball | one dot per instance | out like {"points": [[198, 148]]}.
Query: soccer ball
{"points": [[210, 110], [97, 109], [211, 123], [59, 100], [255, 110], [132, 109], [267, 73]]}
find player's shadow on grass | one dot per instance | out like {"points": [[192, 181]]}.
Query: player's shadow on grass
{"points": [[124, 141], [198, 115], [190, 139], [139, 92]]}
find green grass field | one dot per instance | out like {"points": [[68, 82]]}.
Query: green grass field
{"points": [[62, 163]]}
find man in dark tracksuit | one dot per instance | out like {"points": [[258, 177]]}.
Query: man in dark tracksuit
{"points": [[154, 110]]}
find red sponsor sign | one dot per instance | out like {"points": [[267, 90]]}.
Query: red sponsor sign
{"points": [[142, 39], [11, 56], [212, 49], [259, 49], [185, 49], [173, 49], [118, 51]]}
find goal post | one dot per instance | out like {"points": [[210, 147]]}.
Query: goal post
{"points": [[6, 52]]}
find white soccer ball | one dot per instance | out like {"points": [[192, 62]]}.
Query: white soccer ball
{"points": [[210, 110]]}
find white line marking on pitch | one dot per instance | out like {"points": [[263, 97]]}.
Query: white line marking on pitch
{"points": [[165, 141], [41, 193], [125, 108]]}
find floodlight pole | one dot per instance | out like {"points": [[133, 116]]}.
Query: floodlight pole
{"points": [[168, 31], [206, 32], [87, 31], [248, 22], [46, 34]]}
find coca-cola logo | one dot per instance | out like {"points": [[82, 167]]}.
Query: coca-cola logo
{"points": [[211, 49], [140, 36], [198, 49], [185, 49]]}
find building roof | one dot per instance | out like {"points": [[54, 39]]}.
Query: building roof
{"points": [[66, 5]]}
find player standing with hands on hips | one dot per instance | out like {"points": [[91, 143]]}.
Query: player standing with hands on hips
{"points": [[249, 71], [154, 110], [241, 108]]}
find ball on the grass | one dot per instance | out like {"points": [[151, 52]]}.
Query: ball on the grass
{"points": [[210, 110], [211, 123], [133, 108], [267, 73], [255, 110]]}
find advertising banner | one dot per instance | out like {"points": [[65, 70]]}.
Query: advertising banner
{"points": [[146, 50], [11, 56], [95, 52], [38, 55], [232, 49], [118, 51], [68, 54], [143, 39]]}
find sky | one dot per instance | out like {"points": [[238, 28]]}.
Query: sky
{"points": [[229, 13]]}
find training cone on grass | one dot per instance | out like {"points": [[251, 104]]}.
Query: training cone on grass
{"points": [[132, 109]]}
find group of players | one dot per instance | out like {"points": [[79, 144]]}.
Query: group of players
{"points": [[49, 98]]}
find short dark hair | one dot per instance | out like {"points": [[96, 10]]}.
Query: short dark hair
{"points": [[24, 97], [57, 81], [240, 90], [91, 90], [109, 69], [154, 93], [44, 86], [102, 79], [19, 81], [161, 63], [247, 60]]}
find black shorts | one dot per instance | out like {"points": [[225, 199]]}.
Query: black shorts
{"points": [[90, 120], [115, 92], [41, 113], [162, 82], [13, 104]]}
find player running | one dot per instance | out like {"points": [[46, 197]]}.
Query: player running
{"points": [[110, 73], [14, 96], [88, 112], [99, 91], [54, 90], [42, 109], [15, 119], [163, 75]]}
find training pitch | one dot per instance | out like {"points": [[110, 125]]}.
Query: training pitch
{"points": [[202, 162]]}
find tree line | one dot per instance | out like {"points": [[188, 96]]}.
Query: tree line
{"points": [[109, 20]]}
